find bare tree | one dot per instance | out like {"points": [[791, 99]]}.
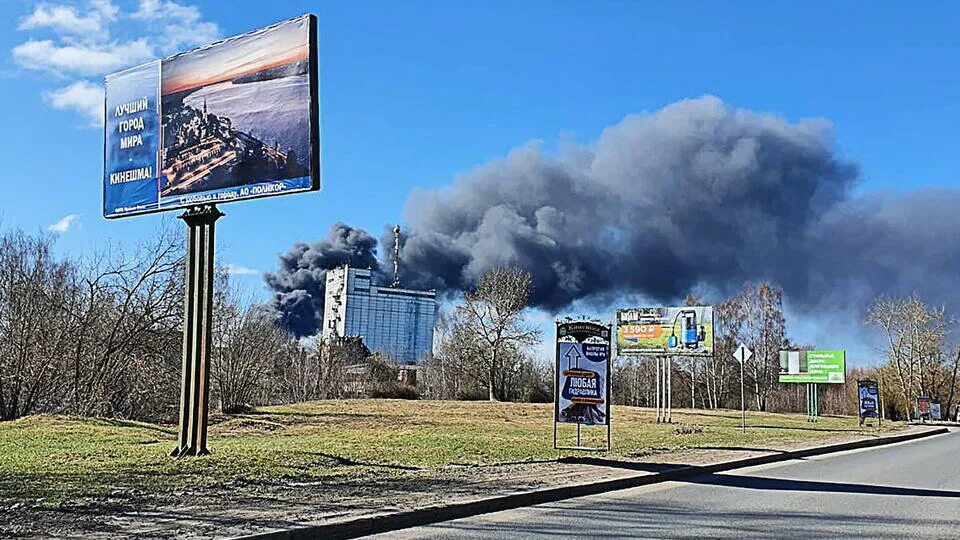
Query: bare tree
{"points": [[916, 336], [32, 338], [493, 315]]}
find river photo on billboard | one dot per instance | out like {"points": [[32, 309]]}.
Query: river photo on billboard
{"points": [[237, 117]]}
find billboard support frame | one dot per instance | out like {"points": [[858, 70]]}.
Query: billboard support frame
{"points": [[813, 403], [664, 386], [197, 330]]}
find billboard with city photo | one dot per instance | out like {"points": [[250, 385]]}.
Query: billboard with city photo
{"points": [[674, 331], [237, 119], [813, 367]]}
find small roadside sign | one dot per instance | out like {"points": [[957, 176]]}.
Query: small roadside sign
{"points": [[742, 354]]}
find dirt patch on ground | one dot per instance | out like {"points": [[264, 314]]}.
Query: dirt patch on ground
{"points": [[241, 508]]}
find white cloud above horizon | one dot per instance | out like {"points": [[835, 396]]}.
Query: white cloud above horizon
{"points": [[66, 223], [75, 43], [66, 19], [85, 60], [82, 96], [237, 270]]}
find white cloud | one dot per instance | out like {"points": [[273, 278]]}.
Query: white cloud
{"points": [[161, 9], [100, 38], [106, 8], [82, 96], [45, 55], [182, 25], [235, 270], [65, 19], [65, 224]]}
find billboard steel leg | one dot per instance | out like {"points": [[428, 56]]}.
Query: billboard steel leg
{"points": [[197, 330], [658, 390], [669, 363]]}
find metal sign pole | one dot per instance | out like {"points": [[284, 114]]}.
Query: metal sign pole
{"points": [[742, 354], [556, 388], [880, 399], [669, 363], [197, 330], [609, 400], [657, 399], [816, 402], [743, 402]]}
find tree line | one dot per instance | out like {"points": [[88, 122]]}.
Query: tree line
{"points": [[101, 336]]}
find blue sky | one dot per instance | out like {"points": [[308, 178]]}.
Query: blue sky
{"points": [[413, 93]]}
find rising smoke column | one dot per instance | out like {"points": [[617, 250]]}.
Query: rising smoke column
{"points": [[695, 194], [299, 282]]}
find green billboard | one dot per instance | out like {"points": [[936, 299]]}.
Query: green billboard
{"points": [[812, 366]]}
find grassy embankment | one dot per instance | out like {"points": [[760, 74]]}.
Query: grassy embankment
{"points": [[52, 459]]}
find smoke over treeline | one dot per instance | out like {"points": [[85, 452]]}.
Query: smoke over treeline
{"points": [[695, 194]]}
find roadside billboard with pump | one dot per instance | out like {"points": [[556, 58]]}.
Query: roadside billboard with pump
{"points": [[669, 331]]}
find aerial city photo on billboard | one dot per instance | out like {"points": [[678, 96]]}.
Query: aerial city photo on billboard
{"points": [[812, 367], [678, 331], [236, 119]]}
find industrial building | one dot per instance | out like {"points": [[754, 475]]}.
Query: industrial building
{"points": [[392, 321]]}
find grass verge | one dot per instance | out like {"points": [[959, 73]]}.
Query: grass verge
{"points": [[50, 460]]}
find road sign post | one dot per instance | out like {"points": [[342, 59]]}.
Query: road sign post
{"points": [[742, 354]]}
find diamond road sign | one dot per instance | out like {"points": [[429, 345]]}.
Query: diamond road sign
{"points": [[742, 354]]}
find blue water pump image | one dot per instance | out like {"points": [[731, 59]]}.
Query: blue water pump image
{"points": [[690, 334]]}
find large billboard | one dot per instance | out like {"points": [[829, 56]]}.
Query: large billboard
{"points": [[813, 367], [674, 331], [237, 119], [583, 373]]}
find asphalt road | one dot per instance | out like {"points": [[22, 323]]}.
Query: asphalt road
{"points": [[908, 490]]}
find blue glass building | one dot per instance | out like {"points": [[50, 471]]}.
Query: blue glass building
{"points": [[397, 323]]}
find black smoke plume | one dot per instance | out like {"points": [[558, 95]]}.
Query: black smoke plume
{"points": [[299, 282], [697, 194]]}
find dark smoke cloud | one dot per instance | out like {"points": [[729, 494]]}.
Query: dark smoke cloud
{"points": [[299, 282], [695, 194]]}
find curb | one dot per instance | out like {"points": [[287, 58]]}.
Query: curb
{"points": [[364, 526]]}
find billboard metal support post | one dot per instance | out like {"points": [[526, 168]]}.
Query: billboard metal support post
{"points": [[669, 375], [657, 399], [816, 403], [197, 330]]}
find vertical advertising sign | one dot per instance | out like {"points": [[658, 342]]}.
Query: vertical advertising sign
{"points": [[236, 119], [582, 376], [923, 406], [869, 396]]}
